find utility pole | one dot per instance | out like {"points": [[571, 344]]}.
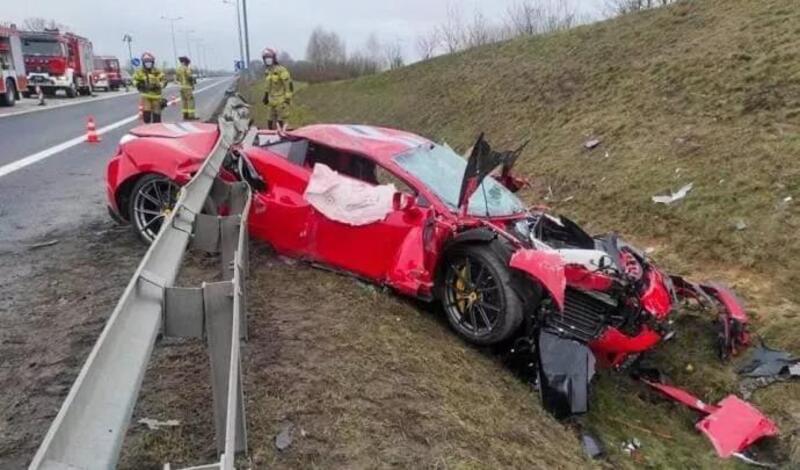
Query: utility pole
{"points": [[189, 45], [127, 38], [174, 47], [246, 36], [239, 25]]}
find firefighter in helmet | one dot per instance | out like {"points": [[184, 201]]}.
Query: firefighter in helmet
{"points": [[150, 82], [185, 78], [279, 90]]}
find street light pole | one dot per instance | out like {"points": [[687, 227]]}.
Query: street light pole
{"points": [[172, 25], [239, 25], [127, 38], [188, 43], [246, 36]]}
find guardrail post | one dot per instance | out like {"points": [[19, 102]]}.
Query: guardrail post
{"points": [[218, 303]]}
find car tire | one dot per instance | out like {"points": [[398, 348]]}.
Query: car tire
{"points": [[10, 96], [477, 294], [151, 199], [72, 91]]}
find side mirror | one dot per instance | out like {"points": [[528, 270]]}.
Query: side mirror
{"points": [[402, 201]]}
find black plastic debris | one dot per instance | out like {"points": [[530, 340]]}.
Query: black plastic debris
{"points": [[768, 362], [565, 369]]}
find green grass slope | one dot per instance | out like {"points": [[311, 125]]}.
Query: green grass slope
{"points": [[706, 92]]}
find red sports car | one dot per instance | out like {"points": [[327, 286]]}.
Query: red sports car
{"points": [[402, 211]]}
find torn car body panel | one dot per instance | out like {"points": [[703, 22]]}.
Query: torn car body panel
{"points": [[731, 426], [546, 267]]}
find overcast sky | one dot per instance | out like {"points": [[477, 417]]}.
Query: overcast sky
{"points": [[284, 24]]}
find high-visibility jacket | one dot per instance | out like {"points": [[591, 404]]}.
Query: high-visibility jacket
{"points": [[149, 82], [184, 77], [279, 85]]}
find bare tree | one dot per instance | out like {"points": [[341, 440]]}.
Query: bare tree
{"points": [[621, 7], [427, 44], [452, 31], [393, 51], [284, 58], [325, 49], [529, 17], [373, 51], [42, 24], [479, 31]]}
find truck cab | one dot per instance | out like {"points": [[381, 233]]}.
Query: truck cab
{"points": [[58, 61], [12, 67]]}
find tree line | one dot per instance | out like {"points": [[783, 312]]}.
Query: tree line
{"points": [[327, 57]]}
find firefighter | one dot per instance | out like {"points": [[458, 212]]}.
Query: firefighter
{"points": [[186, 80], [150, 81], [279, 90]]}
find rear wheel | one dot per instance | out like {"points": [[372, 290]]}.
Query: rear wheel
{"points": [[10, 96], [72, 91], [152, 199], [477, 296]]}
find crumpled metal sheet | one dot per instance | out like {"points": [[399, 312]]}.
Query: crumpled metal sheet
{"points": [[565, 369]]}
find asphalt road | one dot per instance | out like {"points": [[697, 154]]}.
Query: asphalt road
{"points": [[48, 181]]}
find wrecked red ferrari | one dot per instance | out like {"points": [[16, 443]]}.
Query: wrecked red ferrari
{"points": [[399, 210]]}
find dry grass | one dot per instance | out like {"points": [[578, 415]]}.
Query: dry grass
{"points": [[705, 92]]}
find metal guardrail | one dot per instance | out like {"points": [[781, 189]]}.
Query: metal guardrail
{"points": [[89, 429]]}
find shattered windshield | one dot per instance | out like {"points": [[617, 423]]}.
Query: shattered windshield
{"points": [[442, 169]]}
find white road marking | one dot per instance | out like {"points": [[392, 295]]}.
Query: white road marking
{"points": [[77, 101], [49, 152]]}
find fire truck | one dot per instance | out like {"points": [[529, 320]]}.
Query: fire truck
{"points": [[106, 74], [12, 67], [58, 61]]}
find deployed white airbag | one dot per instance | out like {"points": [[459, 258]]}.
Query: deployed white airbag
{"points": [[348, 200]]}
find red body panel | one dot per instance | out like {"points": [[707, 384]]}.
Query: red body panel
{"points": [[547, 267], [656, 299]]}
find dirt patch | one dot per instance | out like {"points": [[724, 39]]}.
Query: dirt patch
{"points": [[54, 302]]}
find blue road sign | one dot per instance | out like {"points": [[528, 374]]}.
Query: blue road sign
{"points": [[238, 65], [136, 62]]}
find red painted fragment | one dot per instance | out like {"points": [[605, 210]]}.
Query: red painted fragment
{"points": [[546, 267], [732, 426]]}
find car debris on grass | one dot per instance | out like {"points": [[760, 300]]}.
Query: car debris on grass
{"points": [[561, 300]]}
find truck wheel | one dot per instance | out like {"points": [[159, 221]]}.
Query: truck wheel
{"points": [[72, 91], [477, 296], [10, 96]]}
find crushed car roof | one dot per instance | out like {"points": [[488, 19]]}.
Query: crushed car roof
{"points": [[380, 143]]}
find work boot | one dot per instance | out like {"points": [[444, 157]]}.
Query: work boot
{"points": [[271, 125], [147, 117], [280, 124], [156, 117]]}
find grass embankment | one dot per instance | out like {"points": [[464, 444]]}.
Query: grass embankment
{"points": [[705, 92]]}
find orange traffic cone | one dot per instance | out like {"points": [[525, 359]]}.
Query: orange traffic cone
{"points": [[91, 132]]}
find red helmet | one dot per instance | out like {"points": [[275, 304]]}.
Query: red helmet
{"points": [[269, 52]]}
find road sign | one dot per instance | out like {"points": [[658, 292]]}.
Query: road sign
{"points": [[238, 65], [136, 62]]}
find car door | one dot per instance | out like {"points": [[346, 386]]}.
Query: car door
{"points": [[280, 215], [389, 250]]}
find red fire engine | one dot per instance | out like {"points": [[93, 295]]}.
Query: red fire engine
{"points": [[12, 67], [58, 61]]}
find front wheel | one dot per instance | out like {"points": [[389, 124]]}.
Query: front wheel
{"points": [[477, 296], [151, 201], [10, 96], [72, 91]]}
